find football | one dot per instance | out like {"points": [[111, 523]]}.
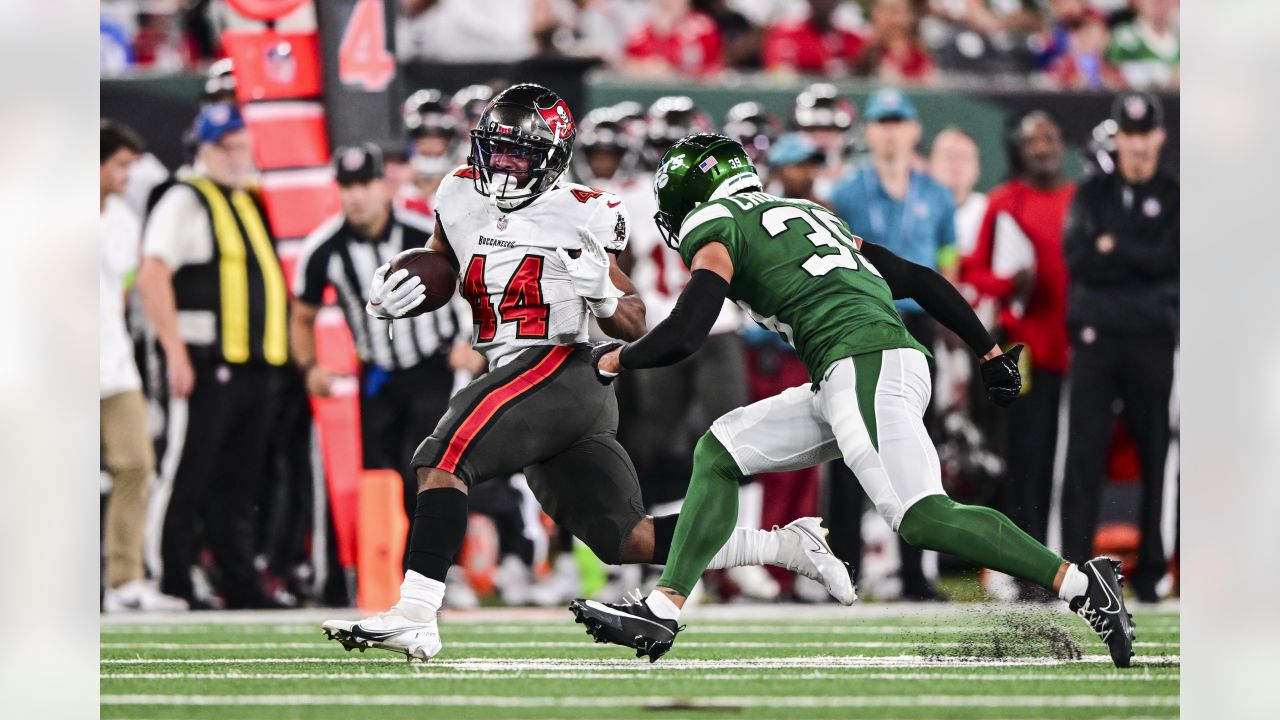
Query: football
{"points": [[435, 271]]}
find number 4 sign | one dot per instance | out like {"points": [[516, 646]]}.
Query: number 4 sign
{"points": [[363, 59]]}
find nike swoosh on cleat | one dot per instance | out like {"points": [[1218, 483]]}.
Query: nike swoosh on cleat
{"points": [[372, 635], [817, 543], [1112, 600]]}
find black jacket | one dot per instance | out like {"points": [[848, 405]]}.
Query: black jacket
{"points": [[1133, 289]]}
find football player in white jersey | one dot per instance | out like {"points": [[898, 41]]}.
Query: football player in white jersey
{"points": [[535, 255]]}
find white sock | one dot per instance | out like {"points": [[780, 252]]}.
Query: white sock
{"points": [[662, 606], [1074, 583], [747, 547], [420, 597]]}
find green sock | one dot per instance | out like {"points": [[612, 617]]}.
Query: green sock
{"points": [[980, 535], [707, 517]]}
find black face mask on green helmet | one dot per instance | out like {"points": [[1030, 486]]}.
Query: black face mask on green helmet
{"points": [[697, 169]]}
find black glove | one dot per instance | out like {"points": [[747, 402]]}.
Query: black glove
{"points": [[598, 351], [1001, 377]]}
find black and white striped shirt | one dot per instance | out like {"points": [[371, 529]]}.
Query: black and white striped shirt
{"points": [[334, 254]]}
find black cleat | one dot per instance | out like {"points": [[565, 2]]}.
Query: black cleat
{"points": [[1102, 606], [629, 624]]}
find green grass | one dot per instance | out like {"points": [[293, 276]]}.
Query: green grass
{"points": [[943, 661]]}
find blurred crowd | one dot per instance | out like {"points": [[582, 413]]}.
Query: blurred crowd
{"points": [[1084, 274], [1077, 44]]}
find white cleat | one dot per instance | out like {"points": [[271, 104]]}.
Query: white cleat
{"points": [[803, 549], [389, 631]]}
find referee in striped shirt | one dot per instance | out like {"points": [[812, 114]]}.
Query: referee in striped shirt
{"points": [[406, 377]]}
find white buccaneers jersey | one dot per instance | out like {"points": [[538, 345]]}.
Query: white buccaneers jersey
{"points": [[518, 288]]}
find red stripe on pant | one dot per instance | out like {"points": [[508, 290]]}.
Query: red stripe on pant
{"points": [[495, 400]]}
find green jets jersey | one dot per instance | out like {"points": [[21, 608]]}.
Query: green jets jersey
{"points": [[797, 271]]}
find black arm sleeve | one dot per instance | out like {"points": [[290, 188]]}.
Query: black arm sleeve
{"points": [[934, 293], [684, 331]]}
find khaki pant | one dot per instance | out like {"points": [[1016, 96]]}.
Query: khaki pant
{"points": [[130, 460]]}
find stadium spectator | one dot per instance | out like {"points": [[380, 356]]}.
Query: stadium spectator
{"points": [[161, 43], [740, 37], [1082, 65], [465, 30], [1018, 263], [894, 52], [126, 441], [1122, 249], [675, 40], [814, 45], [1147, 49], [581, 28], [406, 376], [115, 52], [990, 17], [954, 163], [890, 203], [213, 291], [1061, 18]]}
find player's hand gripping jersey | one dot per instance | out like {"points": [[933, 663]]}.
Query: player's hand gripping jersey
{"points": [[518, 288], [797, 271]]}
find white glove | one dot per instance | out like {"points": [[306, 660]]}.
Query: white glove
{"points": [[589, 274], [389, 302]]}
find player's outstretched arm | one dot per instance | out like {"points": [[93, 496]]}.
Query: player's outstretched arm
{"points": [[940, 299], [687, 327], [935, 294]]}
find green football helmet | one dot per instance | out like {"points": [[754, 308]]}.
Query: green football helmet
{"points": [[697, 169]]}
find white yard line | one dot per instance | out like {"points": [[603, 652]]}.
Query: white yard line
{"points": [[572, 628], [534, 674], [818, 662], [705, 613], [756, 701], [578, 644]]}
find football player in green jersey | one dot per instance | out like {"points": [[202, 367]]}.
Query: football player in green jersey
{"points": [[800, 271]]}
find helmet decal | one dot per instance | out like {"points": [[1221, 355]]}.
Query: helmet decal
{"points": [[558, 119]]}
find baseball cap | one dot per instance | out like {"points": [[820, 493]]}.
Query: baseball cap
{"points": [[1137, 112], [216, 121], [793, 149], [357, 163], [890, 103]]}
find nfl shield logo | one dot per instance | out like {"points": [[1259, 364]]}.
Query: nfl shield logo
{"points": [[352, 159], [1135, 107], [281, 65], [502, 223]]}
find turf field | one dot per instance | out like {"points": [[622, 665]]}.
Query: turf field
{"points": [[871, 661]]}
